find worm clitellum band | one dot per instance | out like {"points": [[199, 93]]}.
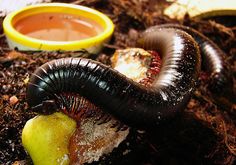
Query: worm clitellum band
{"points": [[128, 101]]}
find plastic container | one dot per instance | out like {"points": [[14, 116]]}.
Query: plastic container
{"points": [[21, 41]]}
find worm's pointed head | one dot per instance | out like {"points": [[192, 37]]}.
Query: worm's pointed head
{"points": [[46, 107], [39, 101]]}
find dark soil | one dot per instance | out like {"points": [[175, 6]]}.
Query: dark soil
{"points": [[205, 133]]}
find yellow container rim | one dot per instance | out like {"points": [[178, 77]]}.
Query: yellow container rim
{"points": [[24, 40]]}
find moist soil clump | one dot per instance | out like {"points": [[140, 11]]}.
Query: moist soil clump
{"points": [[205, 133]]}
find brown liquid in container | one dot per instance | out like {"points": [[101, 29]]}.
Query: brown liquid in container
{"points": [[57, 27]]}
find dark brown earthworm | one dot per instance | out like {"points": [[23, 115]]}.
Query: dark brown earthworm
{"points": [[213, 59], [128, 101]]}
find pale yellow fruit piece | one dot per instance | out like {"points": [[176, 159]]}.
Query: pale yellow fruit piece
{"points": [[46, 138], [200, 8]]}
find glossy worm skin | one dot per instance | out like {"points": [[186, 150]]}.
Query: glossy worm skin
{"points": [[213, 59], [125, 99]]}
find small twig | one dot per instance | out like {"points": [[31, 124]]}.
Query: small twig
{"points": [[2, 35], [204, 98], [222, 28], [78, 1], [111, 46], [231, 148]]}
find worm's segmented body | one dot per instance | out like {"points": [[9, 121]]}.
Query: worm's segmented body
{"points": [[128, 101], [213, 59]]}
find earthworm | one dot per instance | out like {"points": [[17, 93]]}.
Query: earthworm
{"points": [[213, 59], [126, 100]]}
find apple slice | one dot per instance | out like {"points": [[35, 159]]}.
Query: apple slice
{"points": [[46, 138]]}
